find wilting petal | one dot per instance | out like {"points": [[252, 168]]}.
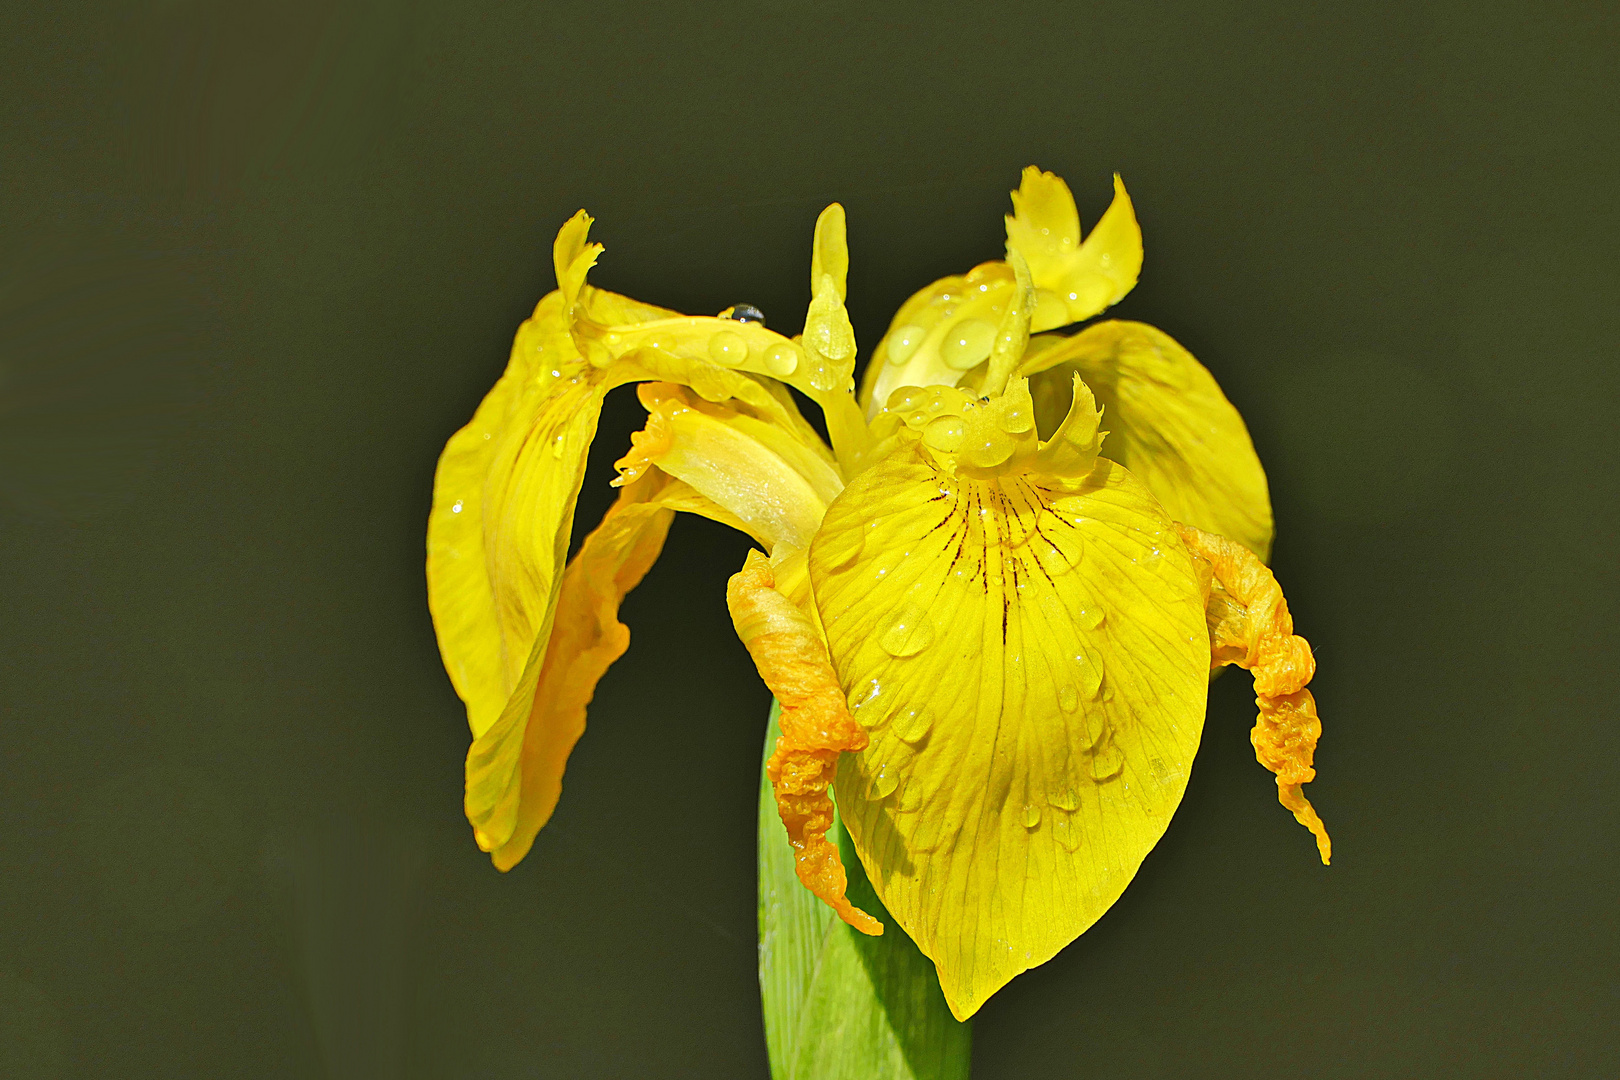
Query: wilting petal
{"points": [[816, 727], [1249, 625], [1030, 666], [515, 768], [775, 482], [1167, 420]]}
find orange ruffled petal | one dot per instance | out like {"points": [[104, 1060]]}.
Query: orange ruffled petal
{"points": [[1249, 625], [816, 727]]}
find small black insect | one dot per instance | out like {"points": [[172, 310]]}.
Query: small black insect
{"points": [[744, 313]]}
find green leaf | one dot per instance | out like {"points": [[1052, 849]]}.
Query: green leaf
{"points": [[840, 1005]]}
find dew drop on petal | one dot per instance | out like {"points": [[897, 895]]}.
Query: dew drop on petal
{"points": [[903, 341], [1016, 419], [782, 359], [559, 445], [1069, 698], [1032, 815], [728, 349], [1063, 796], [908, 632], [945, 434], [911, 725], [1107, 762], [884, 781], [1063, 828], [967, 343]]}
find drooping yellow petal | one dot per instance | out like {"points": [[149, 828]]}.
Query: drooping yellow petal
{"points": [[1249, 625], [515, 768], [770, 479], [943, 333], [1168, 422], [504, 498], [1029, 662], [816, 727]]}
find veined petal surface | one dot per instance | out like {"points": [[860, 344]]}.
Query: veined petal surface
{"points": [[1029, 664], [1167, 421]]}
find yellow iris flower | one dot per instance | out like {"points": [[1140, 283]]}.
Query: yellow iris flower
{"points": [[989, 630]]}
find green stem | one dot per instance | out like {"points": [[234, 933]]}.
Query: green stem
{"points": [[840, 1005]]}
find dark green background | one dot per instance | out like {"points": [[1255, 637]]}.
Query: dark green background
{"points": [[260, 260]]}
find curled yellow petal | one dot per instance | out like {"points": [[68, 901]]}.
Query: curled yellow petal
{"points": [[816, 728], [1168, 422], [1249, 625], [515, 768], [1028, 659]]}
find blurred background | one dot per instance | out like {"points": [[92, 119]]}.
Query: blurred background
{"points": [[259, 260]]}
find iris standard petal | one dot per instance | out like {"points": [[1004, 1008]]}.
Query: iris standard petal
{"points": [[1075, 280], [947, 330], [1029, 664], [1167, 421]]}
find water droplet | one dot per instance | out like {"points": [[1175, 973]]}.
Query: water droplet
{"points": [[744, 313], [911, 725], [728, 349], [823, 376], [989, 449], [1068, 698], [1063, 796], [967, 343], [1050, 310], [903, 341], [782, 359], [944, 433], [1016, 418], [908, 632], [1067, 835], [1107, 761], [907, 399], [884, 781], [559, 445], [1090, 674], [1032, 815]]}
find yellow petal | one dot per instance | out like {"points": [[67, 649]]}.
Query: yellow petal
{"points": [[1249, 625], [1030, 666], [515, 769], [503, 507], [816, 727], [1076, 280], [945, 334], [1168, 422], [764, 474], [829, 254]]}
